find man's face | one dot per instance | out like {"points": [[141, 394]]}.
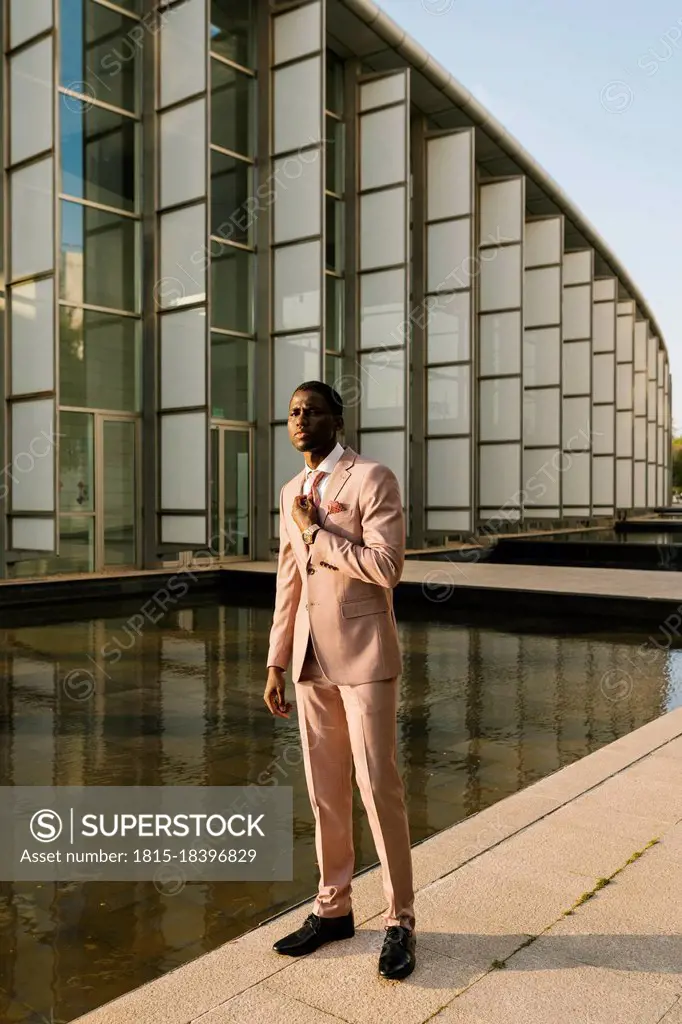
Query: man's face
{"points": [[312, 425]]}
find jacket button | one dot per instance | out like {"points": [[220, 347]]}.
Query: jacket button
{"points": [[310, 570]]}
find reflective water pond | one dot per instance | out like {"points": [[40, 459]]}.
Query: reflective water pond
{"points": [[484, 712]]}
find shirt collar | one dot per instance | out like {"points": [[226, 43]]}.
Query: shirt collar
{"points": [[327, 465]]}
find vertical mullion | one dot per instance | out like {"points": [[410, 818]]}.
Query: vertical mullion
{"points": [[263, 362], [351, 250], [150, 322], [5, 336], [416, 422]]}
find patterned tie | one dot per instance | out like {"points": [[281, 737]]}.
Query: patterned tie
{"points": [[314, 493]]}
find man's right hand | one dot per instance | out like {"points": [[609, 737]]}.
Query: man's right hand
{"points": [[274, 693]]}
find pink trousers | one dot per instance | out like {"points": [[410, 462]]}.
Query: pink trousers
{"points": [[341, 726]]}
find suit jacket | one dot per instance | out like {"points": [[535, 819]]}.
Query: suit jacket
{"points": [[339, 589]]}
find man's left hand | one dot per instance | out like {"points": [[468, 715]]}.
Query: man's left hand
{"points": [[304, 512]]}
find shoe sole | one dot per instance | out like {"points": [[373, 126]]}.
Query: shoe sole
{"points": [[307, 952]]}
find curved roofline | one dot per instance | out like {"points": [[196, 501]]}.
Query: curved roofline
{"points": [[419, 58]]}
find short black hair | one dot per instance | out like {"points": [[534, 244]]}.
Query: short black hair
{"points": [[330, 394]]}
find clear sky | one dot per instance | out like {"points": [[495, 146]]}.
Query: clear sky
{"points": [[593, 90]]}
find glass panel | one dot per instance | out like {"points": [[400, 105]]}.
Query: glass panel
{"points": [[183, 51], [184, 443], [297, 286], [541, 417], [448, 401], [334, 101], [76, 545], [389, 449], [297, 33], [118, 463], [501, 211], [231, 186], [28, 19], [33, 455], [236, 492], [32, 219], [334, 237], [183, 257], [76, 462], [31, 101], [183, 359], [500, 344], [92, 240], [382, 229], [448, 475], [297, 115], [389, 89], [233, 31], [448, 168], [183, 153], [232, 378], [334, 313], [99, 59], [500, 279], [32, 313], [232, 290], [231, 109], [448, 255], [98, 155], [542, 357], [215, 545], [99, 360], [383, 148], [448, 318], [32, 534], [296, 358], [335, 140], [333, 372], [297, 205], [382, 386], [382, 308], [500, 409]]}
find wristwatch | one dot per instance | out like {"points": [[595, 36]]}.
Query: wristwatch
{"points": [[308, 534]]}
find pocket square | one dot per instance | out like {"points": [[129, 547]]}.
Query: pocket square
{"points": [[335, 506]]}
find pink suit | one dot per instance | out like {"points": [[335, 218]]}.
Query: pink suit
{"points": [[334, 620]]}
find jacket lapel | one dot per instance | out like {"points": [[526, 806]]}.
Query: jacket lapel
{"points": [[337, 478], [295, 487], [339, 475]]}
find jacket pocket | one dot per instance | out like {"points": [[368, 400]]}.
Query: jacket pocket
{"points": [[368, 605]]}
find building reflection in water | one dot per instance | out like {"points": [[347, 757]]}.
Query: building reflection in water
{"points": [[483, 714]]}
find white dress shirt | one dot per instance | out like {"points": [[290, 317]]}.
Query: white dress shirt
{"points": [[326, 466]]}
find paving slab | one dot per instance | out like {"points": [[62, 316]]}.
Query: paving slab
{"points": [[263, 1005], [555, 990], [492, 889], [673, 1016], [342, 978]]}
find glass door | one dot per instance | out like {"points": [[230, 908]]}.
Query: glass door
{"points": [[231, 492], [118, 520]]}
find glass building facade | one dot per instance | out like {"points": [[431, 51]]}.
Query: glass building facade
{"points": [[207, 201]]}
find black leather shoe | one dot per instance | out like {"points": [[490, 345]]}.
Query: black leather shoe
{"points": [[314, 932], [397, 957]]}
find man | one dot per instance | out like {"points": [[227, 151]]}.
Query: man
{"points": [[342, 550]]}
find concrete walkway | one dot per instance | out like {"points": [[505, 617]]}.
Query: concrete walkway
{"points": [[436, 578], [559, 904]]}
